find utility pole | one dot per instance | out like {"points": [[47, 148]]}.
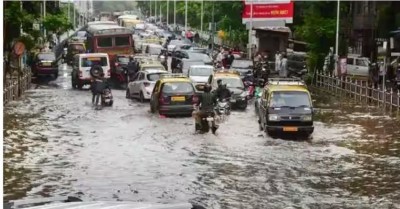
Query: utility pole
{"points": [[186, 11], [74, 22], [167, 12], [20, 26], [202, 15], [174, 14], [250, 47], [44, 16], [160, 12], [155, 10], [337, 38], [212, 29], [69, 15]]}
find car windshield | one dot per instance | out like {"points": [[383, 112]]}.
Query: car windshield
{"points": [[242, 63], [91, 61], [232, 82], [123, 59], [198, 71], [50, 57], [154, 76], [178, 87], [199, 56], [153, 68], [155, 50], [290, 98]]}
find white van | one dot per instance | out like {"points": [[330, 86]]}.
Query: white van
{"points": [[82, 63], [358, 66]]}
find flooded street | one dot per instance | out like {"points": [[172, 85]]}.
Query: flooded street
{"points": [[56, 144]]}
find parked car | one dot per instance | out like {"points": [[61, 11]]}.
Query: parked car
{"points": [[358, 66], [142, 86], [45, 63]]}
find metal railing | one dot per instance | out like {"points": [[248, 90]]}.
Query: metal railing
{"points": [[359, 90], [14, 90]]}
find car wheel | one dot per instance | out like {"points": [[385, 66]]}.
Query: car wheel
{"points": [[141, 97], [128, 94], [79, 86]]}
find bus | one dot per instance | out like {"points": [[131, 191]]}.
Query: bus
{"points": [[110, 39], [128, 21]]}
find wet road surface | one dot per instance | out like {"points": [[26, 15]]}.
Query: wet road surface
{"points": [[57, 144]]}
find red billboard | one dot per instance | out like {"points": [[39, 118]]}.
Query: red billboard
{"points": [[269, 12]]}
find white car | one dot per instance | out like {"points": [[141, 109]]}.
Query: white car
{"points": [[142, 86], [200, 73]]}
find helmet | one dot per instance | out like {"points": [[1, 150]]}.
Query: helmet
{"points": [[207, 88]]}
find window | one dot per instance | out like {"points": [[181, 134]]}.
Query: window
{"points": [[290, 99], [199, 71], [177, 88], [104, 42], [361, 62], [350, 61], [47, 57], [154, 76], [91, 61], [122, 41]]}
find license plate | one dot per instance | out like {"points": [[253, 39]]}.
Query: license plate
{"points": [[233, 100], [210, 119], [46, 64], [290, 129], [178, 99]]}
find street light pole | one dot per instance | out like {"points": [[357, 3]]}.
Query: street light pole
{"points": [[186, 11], [44, 16], [167, 12], [174, 14], [212, 29], [73, 8], [337, 37], [202, 15], [160, 12], [250, 47], [155, 10], [150, 9]]}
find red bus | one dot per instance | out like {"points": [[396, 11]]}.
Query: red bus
{"points": [[110, 39]]}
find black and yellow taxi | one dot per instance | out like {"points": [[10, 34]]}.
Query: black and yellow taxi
{"points": [[234, 83], [286, 107], [173, 94]]}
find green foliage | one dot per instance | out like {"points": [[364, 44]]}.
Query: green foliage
{"points": [[57, 23], [28, 40], [318, 30], [13, 15]]}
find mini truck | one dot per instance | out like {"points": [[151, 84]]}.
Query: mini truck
{"points": [[286, 107]]}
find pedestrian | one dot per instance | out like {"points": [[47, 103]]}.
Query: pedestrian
{"points": [[283, 72], [277, 61], [231, 57], [197, 37]]}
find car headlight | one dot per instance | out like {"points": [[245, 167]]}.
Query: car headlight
{"points": [[307, 118], [273, 117]]}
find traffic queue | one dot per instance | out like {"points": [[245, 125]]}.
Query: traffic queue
{"points": [[177, 77]]}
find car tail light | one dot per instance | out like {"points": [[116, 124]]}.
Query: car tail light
{"points": [[195, 99], [80, 73], [146, 84], [108, 72], [163, 99], [116, 64]]}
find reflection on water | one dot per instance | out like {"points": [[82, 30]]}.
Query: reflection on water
{"points": [[57, 146]]}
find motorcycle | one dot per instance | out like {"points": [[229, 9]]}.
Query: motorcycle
{"points": [[107, 98], [207, 121], [250, 88], [223, 108]]}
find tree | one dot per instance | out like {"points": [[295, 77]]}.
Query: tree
{"points": [[57, 23]]}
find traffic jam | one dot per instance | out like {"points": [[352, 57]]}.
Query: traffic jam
{"points": [[143, 113]]}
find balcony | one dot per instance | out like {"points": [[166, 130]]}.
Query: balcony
{"points": [[363, 22]]}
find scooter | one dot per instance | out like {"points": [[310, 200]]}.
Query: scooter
{"points": [[223, 107], [107, 98]]}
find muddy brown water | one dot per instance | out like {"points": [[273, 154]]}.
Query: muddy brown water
{"points": [[56, 144]]}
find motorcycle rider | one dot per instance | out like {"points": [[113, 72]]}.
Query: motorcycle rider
{"points": [[132, 69], [207, 102], [222, 91], [98, 86], [164, 61]]}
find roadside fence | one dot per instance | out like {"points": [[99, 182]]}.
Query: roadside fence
{"points": [[360, 90], [14, 89]]}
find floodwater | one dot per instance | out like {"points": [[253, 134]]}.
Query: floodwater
{"points": [[56, 144]]}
